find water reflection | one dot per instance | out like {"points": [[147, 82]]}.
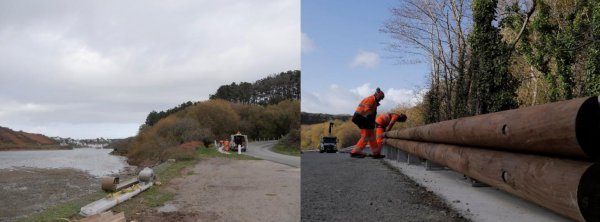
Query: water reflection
{"points": [[97, 162]]}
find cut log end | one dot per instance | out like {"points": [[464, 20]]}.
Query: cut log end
{"points": [[588, 194], [109, 184], [587, 126]]}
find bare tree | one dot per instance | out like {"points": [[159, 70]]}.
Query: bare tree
{"points": [[437, 30]]}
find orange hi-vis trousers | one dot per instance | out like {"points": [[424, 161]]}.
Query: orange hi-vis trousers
{"points": [[366, 136], [379, 131]]}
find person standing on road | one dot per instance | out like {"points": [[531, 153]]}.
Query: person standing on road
{"points": [[364, 118], [384, 123], [226, 145]]}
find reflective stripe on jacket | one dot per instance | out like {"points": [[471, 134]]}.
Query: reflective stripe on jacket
{"points": [[367, 106]]}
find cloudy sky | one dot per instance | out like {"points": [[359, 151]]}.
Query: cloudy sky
{"points": [[344, 58], [87, 69]]}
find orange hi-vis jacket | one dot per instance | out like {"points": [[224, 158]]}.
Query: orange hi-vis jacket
{"points": [[367, 106], [385, 119]]}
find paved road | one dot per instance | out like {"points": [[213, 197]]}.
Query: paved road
{"points": [[336, 187], [262, 150]]}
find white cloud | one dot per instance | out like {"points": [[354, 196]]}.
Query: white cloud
{"points": [[82, 130], [364, 90], [337, 100], [308, 45], [404, 97], [334, 100], [365, 59], [81, 63]]}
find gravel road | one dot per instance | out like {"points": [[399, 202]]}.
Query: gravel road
{"points": [[336, 187], [263, 151], [219, 189]]}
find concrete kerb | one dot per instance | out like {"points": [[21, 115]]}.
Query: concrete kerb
{"points": [[486, 204]]}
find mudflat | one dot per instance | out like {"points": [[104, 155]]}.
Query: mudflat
{"points": [[25, 191]]}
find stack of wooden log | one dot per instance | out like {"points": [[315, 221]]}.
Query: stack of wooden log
{"points": [[547, 154]]}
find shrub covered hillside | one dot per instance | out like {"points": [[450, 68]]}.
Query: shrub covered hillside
{"points": [[268, 108], [198, 125], [346, 132]]}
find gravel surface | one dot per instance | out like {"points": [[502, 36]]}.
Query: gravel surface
{"points": [[219, 189], [336, 187]]}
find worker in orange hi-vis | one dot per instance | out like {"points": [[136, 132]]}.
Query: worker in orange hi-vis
{"points": [[384, 123], [364, 118], [226, 145]]}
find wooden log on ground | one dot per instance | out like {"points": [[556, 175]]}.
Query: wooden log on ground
{"points": [[113, 184], [565, 129], [567, 187]]}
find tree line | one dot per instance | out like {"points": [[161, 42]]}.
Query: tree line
{"points": [[267, 91], [154, 116], [313, 118], [488, 56]]}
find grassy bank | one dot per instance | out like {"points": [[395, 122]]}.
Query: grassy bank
{"points": [[286, 150], [289, 144], [214, 153], [65, 210], [153, 197]]}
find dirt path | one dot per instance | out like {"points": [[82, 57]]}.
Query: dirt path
{"points": [[218, 189]]}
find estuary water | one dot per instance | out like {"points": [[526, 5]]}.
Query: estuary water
{"points": [[97, 162]]}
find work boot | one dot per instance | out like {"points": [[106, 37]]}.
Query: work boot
{"points": [[357, 155], [378, 156]]}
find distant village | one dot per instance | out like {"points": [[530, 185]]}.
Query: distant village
{"points": [[98, 143]]}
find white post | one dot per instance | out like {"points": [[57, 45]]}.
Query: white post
{"points": [[239, 149]]}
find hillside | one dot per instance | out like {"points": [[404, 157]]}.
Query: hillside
{"points": [[266, 91], [13, 140], [266, 109], [206, 122], [314, 118]]}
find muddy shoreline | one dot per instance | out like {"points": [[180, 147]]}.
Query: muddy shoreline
{"points": [[36, 148], [32, 181], [26, 191]]}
